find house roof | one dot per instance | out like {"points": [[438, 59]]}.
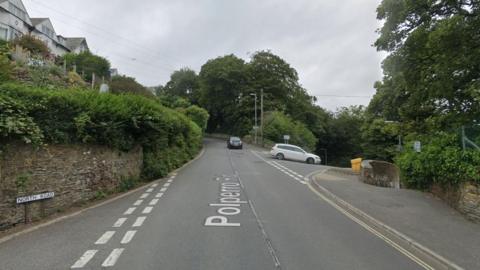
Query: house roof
{"points": [[36, 21], [74, 42]]}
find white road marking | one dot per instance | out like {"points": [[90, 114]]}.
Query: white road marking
{"points": [[129, 210], [113, 257], [149, 190], [147, 210], [170, 181], [144, 195], [139, 222], [86, 257], [154, 185], [153, 202], [163, 189], [166, 184], [128, 237], [159, 195], [283, 169], [119, 222], [104, 238], [138, 202]]}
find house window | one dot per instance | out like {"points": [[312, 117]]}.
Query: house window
{"points": [[17, 12], [3, 33]]}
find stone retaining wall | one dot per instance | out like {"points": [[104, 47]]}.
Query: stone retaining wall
{"points": [[76, 173], [465, 198], [380, 173]]}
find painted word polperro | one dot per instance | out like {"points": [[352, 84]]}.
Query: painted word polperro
{"points": [[229, 205]]}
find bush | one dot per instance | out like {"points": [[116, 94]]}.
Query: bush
{"points": [[87, 63], [198, 115], [278, 124], [441, 161], [118, 121], [32, 44]]}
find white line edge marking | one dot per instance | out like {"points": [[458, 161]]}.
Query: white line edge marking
{"points": [[84, 259], [373, 231], [113, 257], [273, 165], [129, 210], [159, 195], [128, 237], [119, 222], [147, 210], [139, 221], [153, 202], [105, 237], [138, 202]]}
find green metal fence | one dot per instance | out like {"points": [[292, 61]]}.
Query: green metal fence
{"points": [[471, 137]]}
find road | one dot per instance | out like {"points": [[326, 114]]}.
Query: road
{"points": [[229, 209]]}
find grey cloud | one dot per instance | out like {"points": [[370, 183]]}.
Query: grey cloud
{"points": [[328, 42]]}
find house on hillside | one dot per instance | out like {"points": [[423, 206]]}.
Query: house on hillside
{"points": [[14, 19], [77, 44], [43, 30]]}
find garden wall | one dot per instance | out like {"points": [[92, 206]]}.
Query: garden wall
{"points": [[75, 173]]}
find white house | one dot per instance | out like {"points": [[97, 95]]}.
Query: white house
{"points": [[77, 44], [14, 19], [43, 30]]}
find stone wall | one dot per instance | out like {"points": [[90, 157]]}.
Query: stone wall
{"points": [[76, 173], [465, 198], [380, 173]]}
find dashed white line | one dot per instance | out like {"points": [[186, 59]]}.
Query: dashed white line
{"points": [[159, 195], [86, 257], [129, 210], [144, 195], [149, 190], [147, 210], [169, 180], [113, 257], [119, 222], [128, 237], [104, 238], [138, 202], [163, 189], [139, 222], [166, 184], [153, 202], [154, 185]]}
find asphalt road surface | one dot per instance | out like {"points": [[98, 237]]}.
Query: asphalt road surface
{"points": [[230, 209]]}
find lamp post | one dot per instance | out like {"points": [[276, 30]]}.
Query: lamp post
{"points": [[261, 114], [255, 127]]}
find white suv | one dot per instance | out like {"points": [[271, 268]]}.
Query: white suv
{"points": [[293, 152]]}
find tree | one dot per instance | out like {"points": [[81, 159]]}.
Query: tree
{"points": [[87, 64], [183, 83], [431, 74], [222, 84], [197, 115], [124, 84]]}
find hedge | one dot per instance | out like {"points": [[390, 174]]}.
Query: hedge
{"points": [[120, 122], [441, 161]]}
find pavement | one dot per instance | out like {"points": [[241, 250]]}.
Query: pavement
{"points": [[229, 209], [418, 215]]}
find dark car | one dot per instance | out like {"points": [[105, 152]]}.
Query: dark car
{"points": [[234, 143]]}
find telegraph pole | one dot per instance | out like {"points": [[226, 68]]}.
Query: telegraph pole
{"points": [[256, 127], [261, 114]]}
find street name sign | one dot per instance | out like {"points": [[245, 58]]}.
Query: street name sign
{"points": [[36, 197]]}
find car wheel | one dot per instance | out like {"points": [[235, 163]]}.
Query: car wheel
{"points": [[280, 156], [310, 160]]}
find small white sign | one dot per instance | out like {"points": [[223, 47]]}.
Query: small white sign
{"points": [[417, 146], [286, 137], [36, 197]]}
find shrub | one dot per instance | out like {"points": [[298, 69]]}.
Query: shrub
{"points": [[198, 115], [32, 44], [278, 124], [119, 121], [441, 161]]}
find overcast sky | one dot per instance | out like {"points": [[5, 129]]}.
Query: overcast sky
{"points": [[328, 42]]}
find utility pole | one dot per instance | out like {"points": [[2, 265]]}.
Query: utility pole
{"points": [[256, 127], [93, 80], [261, 114]]}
